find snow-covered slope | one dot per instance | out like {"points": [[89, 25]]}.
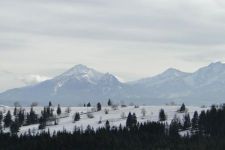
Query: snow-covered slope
{"points": [[81, 84], [205, 86], [114, 117], [78, 85]]}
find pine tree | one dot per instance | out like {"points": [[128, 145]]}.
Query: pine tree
{"points": [[134, 120], [194, 121], [202, 122], [42, 122], [14, 128], [182, 108], [162, 115], [77, 117], [109, 102], [131, 120], [59, 110], [7, 119], [107, 125], [48, 112], [21, 117], [99, 107], [187, 121], [15, 111], [32, 117], [174, 127], [50, 104], [89, 104], [1, 118]]}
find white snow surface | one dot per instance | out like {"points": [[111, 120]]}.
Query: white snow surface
{"points": [[114, 117]]}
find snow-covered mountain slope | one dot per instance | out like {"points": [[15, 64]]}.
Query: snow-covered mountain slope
{"points": [[114, 117], [78, 85], [81, 84], [205, 86]]}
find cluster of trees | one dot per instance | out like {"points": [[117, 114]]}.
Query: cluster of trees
{"points": [[208, 133], [131, 120], [18, 119]]}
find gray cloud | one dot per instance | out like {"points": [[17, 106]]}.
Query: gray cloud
{"points": [[130, 38], [33, 79]]}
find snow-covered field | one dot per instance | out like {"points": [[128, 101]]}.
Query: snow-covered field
{"points": [[114, 116]]}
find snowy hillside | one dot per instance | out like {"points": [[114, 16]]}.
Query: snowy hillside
{"points": [[115, 117], [82, 84]]}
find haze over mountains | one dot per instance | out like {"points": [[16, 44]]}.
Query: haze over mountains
{"points": [[81, 84]]}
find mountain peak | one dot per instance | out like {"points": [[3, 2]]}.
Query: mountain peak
{"points": [[78, 70], [216, 64], [173, 72], [215, 67], [81, 72]]}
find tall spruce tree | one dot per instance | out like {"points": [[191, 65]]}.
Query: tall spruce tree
{"points": [[107, 125], [15, 126], [50, 104], [182, 108], [21, 117], [174, 127], [109, 102], [89, 104], [131, 120], [7, 119], [194, 121], [187, 121], [59, 110], [32, 117], [1, 119], [162, 115], [77, 117], [15, 111], [99, 107]]}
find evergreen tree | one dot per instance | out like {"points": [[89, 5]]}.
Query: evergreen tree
{"points": [[59, 110], [1, 118], [99, 107], [21, 117], [89, 104], [182, 108], [162, 115], [48, 112], [14, 128], [187, 121], [31, 117], [15, 111], [42, 123], [50, 104], [77, 117], [107, 125], [174, 127], [134, 119], [202, 122], [194, 121], [131, 120], [7, 119], [109, 102]]}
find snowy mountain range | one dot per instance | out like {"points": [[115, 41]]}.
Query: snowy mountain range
{"points": [[81, 84]]}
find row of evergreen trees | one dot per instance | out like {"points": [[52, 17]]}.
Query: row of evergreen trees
{"points": [[208, 132]]}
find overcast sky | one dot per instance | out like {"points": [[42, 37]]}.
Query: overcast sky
{"points": [[40, 39]]}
